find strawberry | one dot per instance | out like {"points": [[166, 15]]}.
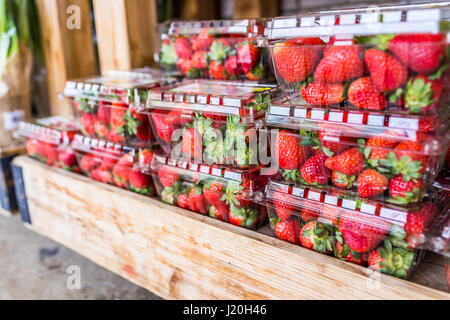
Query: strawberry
{"points": [[404, 192], [386, 71], [308, 214], [121, 171], [243, 217], [167, 176], [217, 71], [342, 251], [169, 195], [117, 115], [330, 146], [87, 124], [101, 129], [104, 176], [104, 112], [323, 94], [114, 136], [286, 230], [423, 53], [199, 60], [362, 233], [145, 157], [371, 183], [294, 61], [220, 213], [192, 144], [422, 93], [88, 163], [163, 124], [51, 152], [31, 147], [184, 65], [379, 147], [341, 180], [257, 73], [282, 203], [316, 236], [363, 94], [183, 201], [68, 160], [232, 67], [350, 162], [182, 48], [290, 154], [140, 183], [407, 159], [418, 221], [138, 125], [203, 40], [214, 194], [197, 201], [339, 64], [248, 55], [219, 51], [393, 261], [314, 171]]}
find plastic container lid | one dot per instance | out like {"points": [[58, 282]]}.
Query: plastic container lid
{"points": [[327, 205], [289, 114], [421, 18], [55, 130], [229, 26], [248, 100], [130, 87], [101, 148]]}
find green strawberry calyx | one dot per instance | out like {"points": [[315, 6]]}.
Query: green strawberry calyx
{"points": [[395, 261], [291, 175], [407, 197], [235, 140], [168, 57], [144, 191], [218, 52], [232, 190], [349, 181], [130, 126], [321, 237], [249, 215], [261, 102], [405, 166], [418, 95], [168, 195]]}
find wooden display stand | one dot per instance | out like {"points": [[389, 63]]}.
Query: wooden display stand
{"points": [[181, 255]]}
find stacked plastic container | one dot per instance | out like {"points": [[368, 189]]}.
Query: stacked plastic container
{"points": [[49, 141], [359, 138]]}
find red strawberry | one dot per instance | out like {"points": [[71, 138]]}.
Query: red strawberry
{"points": [[418, 221], [314, 171], [213, 193], [163, 124], [104, 176], [114, 136], [362, 94], [386, 71], [31, 147], [243, 217], [67, 159], [197, 201], [283, 204], [411, 151], [121, 171], [323, 94], [217, 71], [248, 55], [167, 176], [199, 60], [183, 201], [379, 147], [51, 152], [117, 115], [422, 53], [232, 67], [294, 61], [145, 157], [362, 233], [87, 123], [404, 192], [371, 183], [203, 40], [393, 261], [350, 162], [220, 213], [422, 93], [101, 129], [88, 163], [140, 183], [339, 64], [341, 180], [290, 154], [182, 48], [316, 236], [331, 144], [343, 252], [287, 230], [307, 213], [192, 144], [104, 112], [138, 125]]}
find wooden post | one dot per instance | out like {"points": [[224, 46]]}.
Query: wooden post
{"points": [[198, 10], [68, 45], [126, 33], [255, 9]]}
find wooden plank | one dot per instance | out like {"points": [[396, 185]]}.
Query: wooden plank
{"points": [[126, 33], [181, 255], [198, 10], [69, 52], [255, 9]]}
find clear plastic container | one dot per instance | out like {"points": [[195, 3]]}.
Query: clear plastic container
{"points": [[108, 107], [114, 164], [390, 59], [384, 166], [48, 140], [225, 194], [217, 49], [371, 233], [213, 122]]}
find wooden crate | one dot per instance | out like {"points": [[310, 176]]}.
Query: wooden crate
{"points": [[8, 203], [181, 255]]}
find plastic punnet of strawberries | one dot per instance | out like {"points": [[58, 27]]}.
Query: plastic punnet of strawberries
{"points": [[109, 107], [121, 166], [399, 171], [221, 50], [355, 59], [48, 140], [216, 192], [375, 234]]}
